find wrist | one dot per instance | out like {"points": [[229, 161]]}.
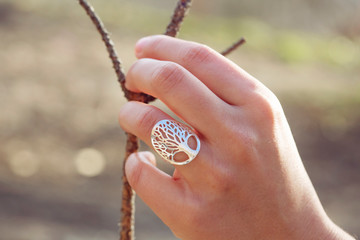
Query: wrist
{"points": [[328, 230], [336, 233], [318, 226]]}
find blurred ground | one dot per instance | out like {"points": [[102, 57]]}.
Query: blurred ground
{"points": [[61, 148]]}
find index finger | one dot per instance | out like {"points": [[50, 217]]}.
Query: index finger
{"points": [[224, 78]]}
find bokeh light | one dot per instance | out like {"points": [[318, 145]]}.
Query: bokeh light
{"points": [[89, 162], [62, 150], [24, 163]]}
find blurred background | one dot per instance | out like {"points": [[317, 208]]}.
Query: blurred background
{"points": [[61, 149]]}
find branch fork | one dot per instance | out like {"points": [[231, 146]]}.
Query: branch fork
{"points": [[132, 144]]}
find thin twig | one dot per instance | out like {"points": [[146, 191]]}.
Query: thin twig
{"points": [[128, 196], [113, 55], [233, 47], [177, 18], [132, 145], [105, 37]]}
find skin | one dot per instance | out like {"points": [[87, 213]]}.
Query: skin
{"points": [[248, 180]]}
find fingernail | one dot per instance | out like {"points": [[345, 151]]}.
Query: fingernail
{"points": [[135, 158], [130, 165], [140, 46], [149, 157]]}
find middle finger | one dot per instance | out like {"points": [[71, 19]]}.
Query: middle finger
{"points": [[181, 91]]}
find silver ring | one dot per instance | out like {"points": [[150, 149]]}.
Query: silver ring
{"points": [[170, 138]]}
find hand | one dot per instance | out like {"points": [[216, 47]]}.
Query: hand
{"points": [[248, 181]]}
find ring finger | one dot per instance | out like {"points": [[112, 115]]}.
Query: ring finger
{"points": [[139, 119]]}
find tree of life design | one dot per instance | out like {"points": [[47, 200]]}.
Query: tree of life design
{"points": [[169, 138]]}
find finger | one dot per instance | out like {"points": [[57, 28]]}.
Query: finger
{"points": [[139, 119], [183, 93], [157, 189], [227, 80]]}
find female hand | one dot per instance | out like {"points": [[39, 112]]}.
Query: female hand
{"points": [[248, 181]]}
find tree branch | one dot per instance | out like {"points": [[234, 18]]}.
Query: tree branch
{"points": [[113, 55], [128, 196], [132, 145], [177, 18], [233, 47]]}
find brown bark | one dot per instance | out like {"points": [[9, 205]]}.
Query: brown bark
{"points": [[177, 18], [132, 145], [131, 96], [128, 195], [233, 47]]}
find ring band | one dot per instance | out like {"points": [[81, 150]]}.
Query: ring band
{"points": [[170, 138]]}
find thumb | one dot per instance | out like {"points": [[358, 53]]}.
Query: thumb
{"points": [[156, 188]]}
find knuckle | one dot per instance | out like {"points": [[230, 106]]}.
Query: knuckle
{"points": [[268, 107], [167, 76], [197, 54]]}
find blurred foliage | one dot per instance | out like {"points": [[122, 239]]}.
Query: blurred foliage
{"points": [[45, 41], [60, 143], [292, 45]]}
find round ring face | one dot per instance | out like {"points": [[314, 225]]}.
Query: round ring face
{"points": [[170, 138]]}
